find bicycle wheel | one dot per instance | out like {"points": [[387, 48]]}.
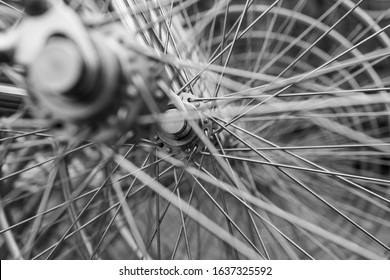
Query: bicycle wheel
{"points": [[193, 130]]}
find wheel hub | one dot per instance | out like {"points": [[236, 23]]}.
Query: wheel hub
{"points": [[93, 82], [87, 79], [175, 133]]}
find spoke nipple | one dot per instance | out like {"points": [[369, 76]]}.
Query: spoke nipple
{"points": [[187, 150], [132, 91], [131, 134], [159, 94], [112, 120]]}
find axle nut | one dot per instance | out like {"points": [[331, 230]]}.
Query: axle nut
{"points": [[58, 68], [175, 124]]}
